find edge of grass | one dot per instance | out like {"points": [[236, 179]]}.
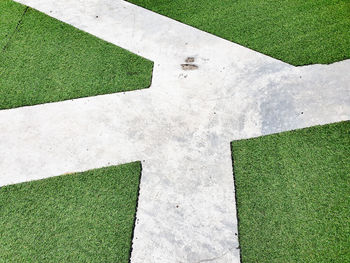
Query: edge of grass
{"points": [[26, 186], [70, 63], [313, 129]]}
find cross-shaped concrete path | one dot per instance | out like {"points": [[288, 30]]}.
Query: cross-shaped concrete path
{"points": [[180, 128]]}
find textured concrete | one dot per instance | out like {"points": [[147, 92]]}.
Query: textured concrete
{"points": [[181, 128]]}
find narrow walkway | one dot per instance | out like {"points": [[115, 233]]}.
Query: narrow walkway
{"points": [[180, 128]]}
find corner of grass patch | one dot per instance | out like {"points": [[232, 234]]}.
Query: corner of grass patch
{"points": [[292, 192], [296, 32], [45, 60], [81, 217]]}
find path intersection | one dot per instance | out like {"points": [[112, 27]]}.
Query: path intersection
{"points": [[180, 128]]}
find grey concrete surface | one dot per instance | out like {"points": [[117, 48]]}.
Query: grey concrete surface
{"points": [[180, 128]]}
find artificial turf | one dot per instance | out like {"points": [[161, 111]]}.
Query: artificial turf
{"points": [[293, 195], [44, 60], [298, 32], [82, 217]]}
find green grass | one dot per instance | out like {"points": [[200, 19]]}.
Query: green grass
{"points": [[299, 32], [44, 60], [82, 217], [293, 195], [10, 14]]}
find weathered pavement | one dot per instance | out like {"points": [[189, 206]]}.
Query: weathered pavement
{"points": [[180, 128]]}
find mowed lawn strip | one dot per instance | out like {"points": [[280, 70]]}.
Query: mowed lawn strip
{"points": [[293, 195], [44, 60], [296, 31], [82, 217]]}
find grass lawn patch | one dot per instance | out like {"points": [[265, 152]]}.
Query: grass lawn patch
{"points": [[10, 14], [293, 195], [44, 60], [82, 217], [296, 31]]}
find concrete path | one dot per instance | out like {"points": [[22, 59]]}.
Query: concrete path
{"points": [[180, 128]]}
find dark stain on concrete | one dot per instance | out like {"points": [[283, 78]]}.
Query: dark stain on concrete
{"points": [[189, 66], [189, 60]]}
